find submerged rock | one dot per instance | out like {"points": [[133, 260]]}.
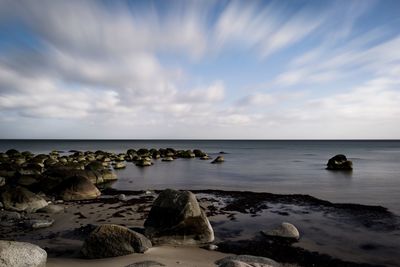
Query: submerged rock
{"points": [[21, 254], [286, 230], [168, 159], [176, 218], [218, 159], [144, 162], [78, 188], [119, 165], [339, 162], [110, 240], [21, 199]]}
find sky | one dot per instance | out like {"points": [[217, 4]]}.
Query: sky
{"points": [[200, 69]]}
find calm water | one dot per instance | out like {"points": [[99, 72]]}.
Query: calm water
{"points": [[269, 166]]}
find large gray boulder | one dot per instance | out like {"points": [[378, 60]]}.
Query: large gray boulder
{"points": [[176, 218], [246, 261], [78, 188], [110, 240], [20, 254], [21, 199]]}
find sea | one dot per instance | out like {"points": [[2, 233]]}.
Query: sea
{"points": [[275, 166]]}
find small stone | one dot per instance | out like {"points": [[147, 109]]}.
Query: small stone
{"points": [[122, 197], [37, 224]]}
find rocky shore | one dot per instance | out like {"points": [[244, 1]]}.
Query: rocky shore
{"points": [[58, 206]]}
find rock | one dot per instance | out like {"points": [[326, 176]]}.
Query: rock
{"points": [[211, 247], [21, 254], [110, 240], [9, 215], [21, 199], [119, 165], [199, 153], [78, 188], [205, 157], [36, 224], [122, 197], [286, 230], [246, 261], [168, 159], [185, 154], [2, 181], [339, 162], [145, 264], [218, 159], [52, 209], [176, 218], [144, 163]]}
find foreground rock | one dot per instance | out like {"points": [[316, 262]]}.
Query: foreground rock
{"points": [[246, 261], [110, 240], [176, 218], [37, 224], [20, 254], [78, 188], [339, 162], [21, 199], [285, 230]]}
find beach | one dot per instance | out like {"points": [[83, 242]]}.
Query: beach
{"points": [[331, 233]]}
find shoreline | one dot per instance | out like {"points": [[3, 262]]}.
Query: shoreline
{"points": [[225, 210]]}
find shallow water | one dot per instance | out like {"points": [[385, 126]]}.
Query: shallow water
{"points": [[267, 166]]}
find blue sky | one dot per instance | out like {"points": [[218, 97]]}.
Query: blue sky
{"points": [[200, 69]]}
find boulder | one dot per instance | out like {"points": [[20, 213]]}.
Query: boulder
{"points": [[176, 218], [52, 209], [339, 162], [218, 159], [110, 240], [21, 254], [168, 159], [144, 163], [78, 188], [21, 199], [286, 230], [246, 261], [119, 165]]}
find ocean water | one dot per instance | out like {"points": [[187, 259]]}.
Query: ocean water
{"points": [[287, 167]]}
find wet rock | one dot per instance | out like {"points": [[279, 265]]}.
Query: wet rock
{"points": [[110, 240], [185, 154], [122, 197], [286, 230], [246, 261], [2, 181], [78, 188], [339, 162], [119, 165], [37, 224], [176, 218], [21, 254], [9, 215], [21, 199], [198, 153], [52, 209], [168, 159], [218, 159], [144, 163], [205, 157], [211, 247]]}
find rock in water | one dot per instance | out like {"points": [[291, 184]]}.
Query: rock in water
{"points": [[20, 254], [176, 218], [246, 261], [218, 159], [286, 230], [339, 162], [21, 199], [110, 240], [78, 188]]}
